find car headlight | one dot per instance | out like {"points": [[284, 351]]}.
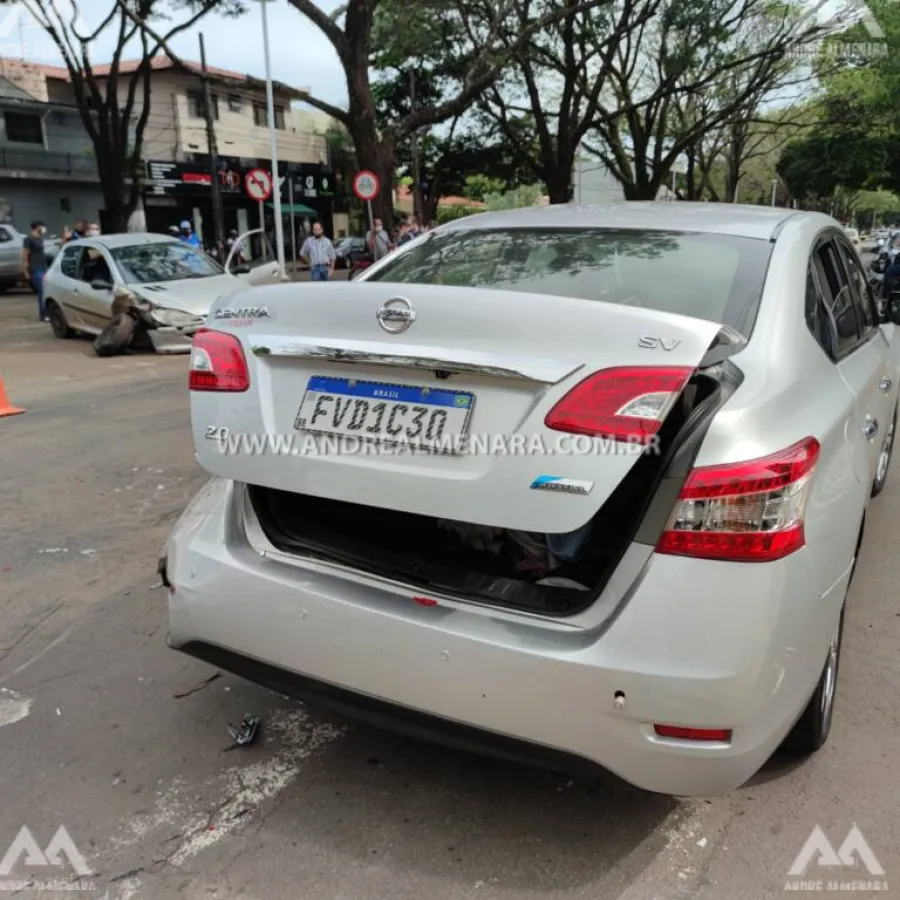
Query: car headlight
{"points": [[175, 318]]}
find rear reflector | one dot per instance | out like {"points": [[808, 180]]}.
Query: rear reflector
{"points": [[625, 404], [218, 362], [746, 512], [710, 735]]}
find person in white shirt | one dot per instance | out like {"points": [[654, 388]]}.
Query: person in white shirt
{"points": [[318, 252]]}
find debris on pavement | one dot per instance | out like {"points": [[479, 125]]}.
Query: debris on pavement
{"points": [[246, 734], [198, 686]]}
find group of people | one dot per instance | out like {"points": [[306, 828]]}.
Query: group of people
{"points": [[34, 254]]}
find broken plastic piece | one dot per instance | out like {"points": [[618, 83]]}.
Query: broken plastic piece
{"points": [[247, 733]]}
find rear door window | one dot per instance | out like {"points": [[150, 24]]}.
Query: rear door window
{"points": [[863, 298], [839, 299], [714, 277], [68, 264]]}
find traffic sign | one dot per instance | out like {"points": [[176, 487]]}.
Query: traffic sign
{"points": [[366, 185], [258, 184]]}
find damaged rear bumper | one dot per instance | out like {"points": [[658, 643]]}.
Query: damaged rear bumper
{"points": [[701, 657]]}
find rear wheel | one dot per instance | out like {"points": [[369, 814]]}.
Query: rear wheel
{"points": [[813, 727], [58, 321], [884, 459]]}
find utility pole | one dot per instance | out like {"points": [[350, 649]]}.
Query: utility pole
{"points": [[414, 141], [213, 149]]}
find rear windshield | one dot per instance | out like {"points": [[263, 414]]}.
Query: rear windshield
{"points": [[708, 276]]}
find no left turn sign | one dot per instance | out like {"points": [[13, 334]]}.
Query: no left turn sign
{"points": [[366, 185], [258, 184]]}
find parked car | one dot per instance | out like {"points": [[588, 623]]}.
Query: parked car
{"points": [[122, 286], [348, 250], [11, 244], [616, 473]]}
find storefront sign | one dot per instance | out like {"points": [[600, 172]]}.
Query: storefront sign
{"points": [[311, 184], [188, 179]]}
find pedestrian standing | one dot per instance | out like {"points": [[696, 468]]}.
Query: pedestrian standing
{"points": [[410, 230], [79, 230], [188, 236], [378, 241], [93, 230], [66, 234], [34, 264], [318, 252]]}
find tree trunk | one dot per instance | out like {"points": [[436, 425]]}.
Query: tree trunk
{"points": [[119, 198]]}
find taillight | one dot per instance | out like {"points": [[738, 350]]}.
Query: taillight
{"points": [[746, 512], [625, 404], [218, 362]]}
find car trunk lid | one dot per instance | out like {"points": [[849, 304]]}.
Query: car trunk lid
{"points": [[333, 365]]}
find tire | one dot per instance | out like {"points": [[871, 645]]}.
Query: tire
{"points": [[884, 459], [813, 727], [811, 730], [58, 321], [116, 337]]}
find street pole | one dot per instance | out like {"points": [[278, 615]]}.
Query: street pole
{"points": [[414, 140], [774, 189], [213, 149], [276, 184], [293, 226]]}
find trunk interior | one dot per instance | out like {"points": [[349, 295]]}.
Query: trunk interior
{"points": [[550, 574]]}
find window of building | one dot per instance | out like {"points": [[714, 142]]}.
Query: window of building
{"points": [[24, 128], [197, 108], [261, 116], [65, 204], [235, 102]]}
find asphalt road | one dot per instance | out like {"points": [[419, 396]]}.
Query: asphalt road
{"points": [[93, 738]]}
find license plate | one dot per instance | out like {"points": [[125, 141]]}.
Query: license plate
{"points": [[425, 418]]}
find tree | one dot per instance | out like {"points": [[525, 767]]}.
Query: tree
{"points": [[113, 100], [689, 71], [550, 97], [472, 57]]}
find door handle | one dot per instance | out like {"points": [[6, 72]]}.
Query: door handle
{"points": [[885, 384], [870, 427]]}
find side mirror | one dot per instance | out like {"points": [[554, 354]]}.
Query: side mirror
{"points": [[893, 308], [241, 269], [101, 284]]}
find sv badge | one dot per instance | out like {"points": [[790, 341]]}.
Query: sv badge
{"points": [[647, 342]]}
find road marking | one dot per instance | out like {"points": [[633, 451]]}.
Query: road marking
{"points": [[13, 707], [239, 791], [54, 643]]}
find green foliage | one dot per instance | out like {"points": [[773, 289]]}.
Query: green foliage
{"points": [[477, 187], [452, 213], [527, 195]]}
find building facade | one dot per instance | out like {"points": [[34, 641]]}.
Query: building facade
{"points": [[175, 149], [47, 165]]}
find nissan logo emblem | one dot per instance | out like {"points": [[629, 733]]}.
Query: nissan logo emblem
{"points": [[396, 315]]}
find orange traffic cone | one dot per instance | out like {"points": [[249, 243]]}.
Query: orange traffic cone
{"points": [[6, 408]]}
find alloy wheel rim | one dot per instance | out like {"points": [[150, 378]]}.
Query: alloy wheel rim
{"points": [[885, 457]]}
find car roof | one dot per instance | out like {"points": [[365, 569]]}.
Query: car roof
{"points": [[129, 239], [740, 220]]}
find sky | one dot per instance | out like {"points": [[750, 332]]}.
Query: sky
{"points": [[300, 54]]}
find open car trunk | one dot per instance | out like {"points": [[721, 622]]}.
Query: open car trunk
{"points": [[555, 574], [340, 361]]}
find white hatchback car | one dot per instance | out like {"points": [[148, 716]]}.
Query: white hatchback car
{"points": [[561, 483]]}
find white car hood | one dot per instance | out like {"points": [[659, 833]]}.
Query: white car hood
{"points": [[190, 295]]}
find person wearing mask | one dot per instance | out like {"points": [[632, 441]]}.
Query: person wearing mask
{"points": [[187, 235], [378, 241], [66, 234], [34, 264], [410, 230], [318, 252], [93, 230]]}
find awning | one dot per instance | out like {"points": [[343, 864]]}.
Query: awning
{"points": [[298, 209]]}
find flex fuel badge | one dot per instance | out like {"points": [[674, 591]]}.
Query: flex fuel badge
{"points": [[563, 485]]}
